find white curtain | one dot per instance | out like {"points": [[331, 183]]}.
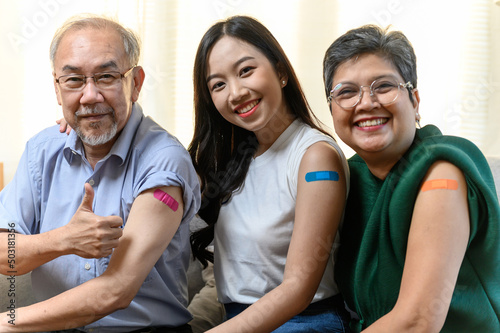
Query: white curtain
{"points": [[457, 45]]}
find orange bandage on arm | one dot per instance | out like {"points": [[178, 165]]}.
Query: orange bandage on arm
{"points": [[440, 184]]}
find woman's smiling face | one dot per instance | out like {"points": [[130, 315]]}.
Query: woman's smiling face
{"points": [[245, 87], [371, 129]]}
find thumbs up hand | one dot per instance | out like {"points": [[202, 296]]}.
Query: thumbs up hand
{"points": [[89, 235]]}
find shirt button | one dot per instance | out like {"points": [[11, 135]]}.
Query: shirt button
{"points": [[91, 182], [87, 266]]}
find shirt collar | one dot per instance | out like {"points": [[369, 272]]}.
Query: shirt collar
{"points": [[121, 147]]}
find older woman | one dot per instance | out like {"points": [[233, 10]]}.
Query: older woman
{"points": [[421, 241]]}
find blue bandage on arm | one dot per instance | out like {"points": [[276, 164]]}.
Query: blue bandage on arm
{"points": [[322, 175]]}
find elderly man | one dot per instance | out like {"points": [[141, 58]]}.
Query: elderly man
{"points": [[100, 217]]}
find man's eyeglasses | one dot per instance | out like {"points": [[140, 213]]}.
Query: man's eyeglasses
{"points": [[385, 91], [105, 80]]}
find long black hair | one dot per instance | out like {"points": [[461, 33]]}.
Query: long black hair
{"points": [[222, 152]]}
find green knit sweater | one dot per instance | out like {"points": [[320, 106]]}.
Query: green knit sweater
{"points": [[376, 226]]}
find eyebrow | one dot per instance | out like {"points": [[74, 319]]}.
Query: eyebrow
{"points": [[382, 76], [236, 64], [110, 64], [372, 79]]}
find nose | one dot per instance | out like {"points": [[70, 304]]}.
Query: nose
{"points": [[90, 93], [236, 91], [367, 100]]}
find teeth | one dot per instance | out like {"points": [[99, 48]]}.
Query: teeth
{"points": [[247, 108], [373, 122]]}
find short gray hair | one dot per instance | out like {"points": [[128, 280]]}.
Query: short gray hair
{"points": [[371, 39], [131, 41]]}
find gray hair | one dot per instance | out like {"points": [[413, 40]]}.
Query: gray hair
{"points": [[371, 39], [131, 41]]}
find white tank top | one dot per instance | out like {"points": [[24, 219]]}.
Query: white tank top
{"points": [[254, 229]]}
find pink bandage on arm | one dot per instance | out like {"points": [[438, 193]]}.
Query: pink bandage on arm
{"points": [[166, 199]]}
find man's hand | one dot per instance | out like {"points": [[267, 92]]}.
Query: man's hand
{"points": [[89, 235]]}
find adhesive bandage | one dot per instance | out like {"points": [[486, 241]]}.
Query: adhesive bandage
{"points": [[322, 175], [166, 199], [443, 184]]}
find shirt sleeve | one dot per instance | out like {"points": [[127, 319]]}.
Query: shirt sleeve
{"points": [[171, 166], [19, 200]]}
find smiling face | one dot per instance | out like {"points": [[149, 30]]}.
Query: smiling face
{"points": [[97, 115], [246, 88], [376, 132]]}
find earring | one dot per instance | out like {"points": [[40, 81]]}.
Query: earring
{"points": [[418, 120], [284, 83]]}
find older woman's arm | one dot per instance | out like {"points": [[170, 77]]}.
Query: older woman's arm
{"points": [[437, 242]]}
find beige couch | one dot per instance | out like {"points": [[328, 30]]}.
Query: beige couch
{"points": [[494, 162]]}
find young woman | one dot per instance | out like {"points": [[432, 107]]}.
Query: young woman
{"points": [[421, 250], [273, 186]]}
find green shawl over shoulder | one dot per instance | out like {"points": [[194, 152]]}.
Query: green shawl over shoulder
{"points": [[376, 226]]}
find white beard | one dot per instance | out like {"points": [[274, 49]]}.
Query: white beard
{"points": [[96, 140]]}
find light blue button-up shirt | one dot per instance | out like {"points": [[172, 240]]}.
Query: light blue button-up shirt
{"points": [[48, 187]]}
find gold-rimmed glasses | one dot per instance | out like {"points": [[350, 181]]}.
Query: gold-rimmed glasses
{"points": [[104, 80]]}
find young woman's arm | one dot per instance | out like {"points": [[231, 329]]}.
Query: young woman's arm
{"points": [[437, 242], [63, 126], [318, 212]]}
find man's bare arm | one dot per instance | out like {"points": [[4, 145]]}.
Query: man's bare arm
{"points": [[149, 229]]}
